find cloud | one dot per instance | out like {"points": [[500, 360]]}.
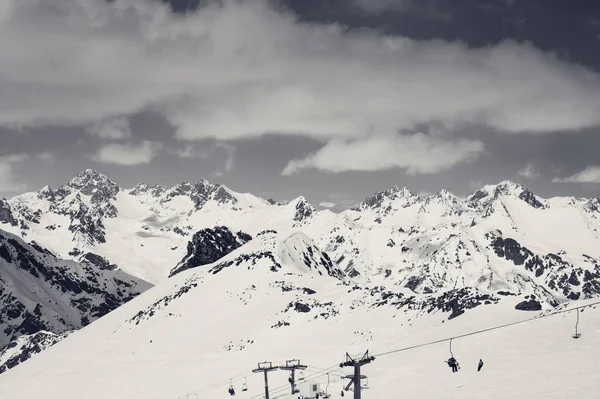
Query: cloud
{"points": [[529, 172], [591, 174], [242, 69], [46, 156], [417, 153], [111, 128], [328, 204], [9, 182], [198, 151], [127, 154]]}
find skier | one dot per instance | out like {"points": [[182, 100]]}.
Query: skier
{"points": [[231, 391], [452, 363], [480, 365]]}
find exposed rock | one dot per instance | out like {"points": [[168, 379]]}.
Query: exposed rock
{"points": [[530, 305], [26, 346], [98, 261], [6, 215], [208, 246], [303, 210], [531, 199], [558, 275], [87, 291]]}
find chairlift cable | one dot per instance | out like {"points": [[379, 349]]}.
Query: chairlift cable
{"points": [[486, 330]]}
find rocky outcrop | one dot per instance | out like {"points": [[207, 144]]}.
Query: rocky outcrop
{"points": [[303, 210], [6, 215], [208, 246], [551, 271]]}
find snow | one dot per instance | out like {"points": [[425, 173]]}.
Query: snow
{"points": [[215, 321], [182, 347]]}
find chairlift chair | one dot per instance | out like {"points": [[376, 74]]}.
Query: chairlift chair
{"points": [[231, 390], [244, 385], [576, 335], [301, 376]]}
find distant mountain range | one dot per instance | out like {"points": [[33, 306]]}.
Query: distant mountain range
{"points": [[437, 253]]}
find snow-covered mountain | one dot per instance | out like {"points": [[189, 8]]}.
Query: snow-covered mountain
{"points": [[242, 280], [41, 293], [500, 238], [280, 297]]}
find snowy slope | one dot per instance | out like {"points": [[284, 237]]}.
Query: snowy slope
{"points": [[42, 292], [277, 298]]}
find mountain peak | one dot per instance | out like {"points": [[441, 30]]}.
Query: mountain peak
{"points": [[506, 188], [304, 210], [391, 194], [46, 192], [89, 176], [94, 184]]}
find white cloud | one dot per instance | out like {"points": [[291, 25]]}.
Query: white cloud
{"points": [[241, 69], [46, 156], [127, 154], [111, 128], [9, 181], [591, 174], [417, 153], [192, 151], [529, 172], [204, 151], [328, 204]]}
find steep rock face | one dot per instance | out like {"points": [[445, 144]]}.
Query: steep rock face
{"points": [[33, 279], [26, 346], [6, 215], [304, 210], [208, 246], [87, 200]]}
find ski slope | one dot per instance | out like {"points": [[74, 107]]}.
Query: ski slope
{"points": [[191, 333]]}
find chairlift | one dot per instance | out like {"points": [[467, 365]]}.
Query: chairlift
{"points": [[576, 335], [245, 385], [231, 390], [452, 358]]}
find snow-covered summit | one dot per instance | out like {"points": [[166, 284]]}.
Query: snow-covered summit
{"points": [[385, 197], [93, 184]]}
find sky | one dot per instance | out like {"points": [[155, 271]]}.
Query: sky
{"points": [[333, 100]]}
